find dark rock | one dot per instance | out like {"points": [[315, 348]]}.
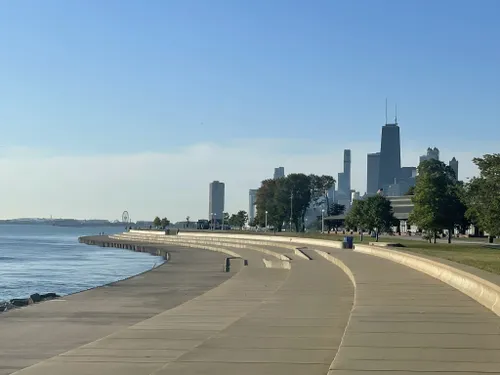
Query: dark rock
{"points": [[20, 302], [5, 306], [36, 298]]}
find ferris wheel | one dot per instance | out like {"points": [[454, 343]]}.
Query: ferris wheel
{"points": [[125, 217]]}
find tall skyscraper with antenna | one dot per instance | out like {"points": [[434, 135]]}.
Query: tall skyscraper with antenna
{"points": [[390, 153]]}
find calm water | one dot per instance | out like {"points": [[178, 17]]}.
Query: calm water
{"points": [[44, 258]]}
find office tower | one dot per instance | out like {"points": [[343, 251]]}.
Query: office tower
{"points": [[407, 173], [347, 170], [372, 171], [279, 172], [252, 196], [344, 178], [216, 201], [454, 165], [432, 153], [390, 155]]}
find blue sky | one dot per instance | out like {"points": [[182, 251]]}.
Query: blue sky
{"points": [[90, 79]]}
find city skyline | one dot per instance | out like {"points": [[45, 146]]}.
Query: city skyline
{"points": [[99, 116]]}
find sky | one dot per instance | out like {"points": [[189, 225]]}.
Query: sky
{"points": [[117, 105]]}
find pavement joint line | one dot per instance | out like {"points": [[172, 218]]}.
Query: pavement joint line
{"points": [[337, 262], [179, 359]]}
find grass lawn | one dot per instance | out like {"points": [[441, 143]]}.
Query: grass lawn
{"points": [[470, 254]]}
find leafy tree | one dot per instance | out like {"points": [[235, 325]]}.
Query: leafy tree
{"points": [[242, 218], [438, 202], [287, 199], [374, 213], [483, 195], [157, 222], [355, 219], [267, 199], [187, 221], [226, 217], [233, 220], [164, 223], [380, 215]]}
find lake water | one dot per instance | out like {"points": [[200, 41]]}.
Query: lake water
{"points": [[45, 258]]}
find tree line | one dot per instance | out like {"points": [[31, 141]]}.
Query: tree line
{"points": [[161, 223], [287, 199]]}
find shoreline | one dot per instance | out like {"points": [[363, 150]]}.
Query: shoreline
{"points": [[8, 305]]}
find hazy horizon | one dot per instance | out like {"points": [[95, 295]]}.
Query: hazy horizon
{"points": [[138, 106]]}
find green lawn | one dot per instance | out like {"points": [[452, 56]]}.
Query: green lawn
{"points": [[470, 254]]}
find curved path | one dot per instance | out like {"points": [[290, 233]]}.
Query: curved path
{"points": [[296, 316]]}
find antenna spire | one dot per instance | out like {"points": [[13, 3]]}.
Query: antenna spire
{"points": [[396, 114], [386, 111]]}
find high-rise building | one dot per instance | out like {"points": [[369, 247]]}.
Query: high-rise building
{"points": [[252, 196], [344, 178], [216, 200], [372, 172], [390, 155], [279, 172], [454, 165], [432, 153]]}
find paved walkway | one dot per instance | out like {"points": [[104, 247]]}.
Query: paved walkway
{"points": [[405, 322], [297, 321]]}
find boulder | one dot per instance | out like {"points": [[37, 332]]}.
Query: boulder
{"points": [[20, 302], [5, 306], [36, 298]]}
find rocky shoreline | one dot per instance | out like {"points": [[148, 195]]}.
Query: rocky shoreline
{"points": [[21, 302]]}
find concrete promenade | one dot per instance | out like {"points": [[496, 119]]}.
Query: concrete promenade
{"points": [[282, 314]]}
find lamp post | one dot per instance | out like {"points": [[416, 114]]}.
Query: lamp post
{"points": [[222, 227], [266, 221], [291, 208], [215, 220], [323, 221]]}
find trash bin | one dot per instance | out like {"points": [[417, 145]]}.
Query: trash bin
{"points": [[348, 242]]}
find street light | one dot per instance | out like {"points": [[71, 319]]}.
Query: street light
{"points": [[222, 227], [215, 220], [266, 221], [323, 221], [291, 209]]}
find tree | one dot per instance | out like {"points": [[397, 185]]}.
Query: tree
{"points": [[164, 223], [187, 221], [157, 222], [226, 217], [438, 202], [483, 195], [242, 218], [374, 213], [287, 199], [233, 220]]}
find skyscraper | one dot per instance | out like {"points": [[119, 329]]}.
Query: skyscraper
{"points": [[252, 195], [432, 153], [390, 155], [454, 165], [279, 172], [343, 195], [372, 172], [216, 200]]}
